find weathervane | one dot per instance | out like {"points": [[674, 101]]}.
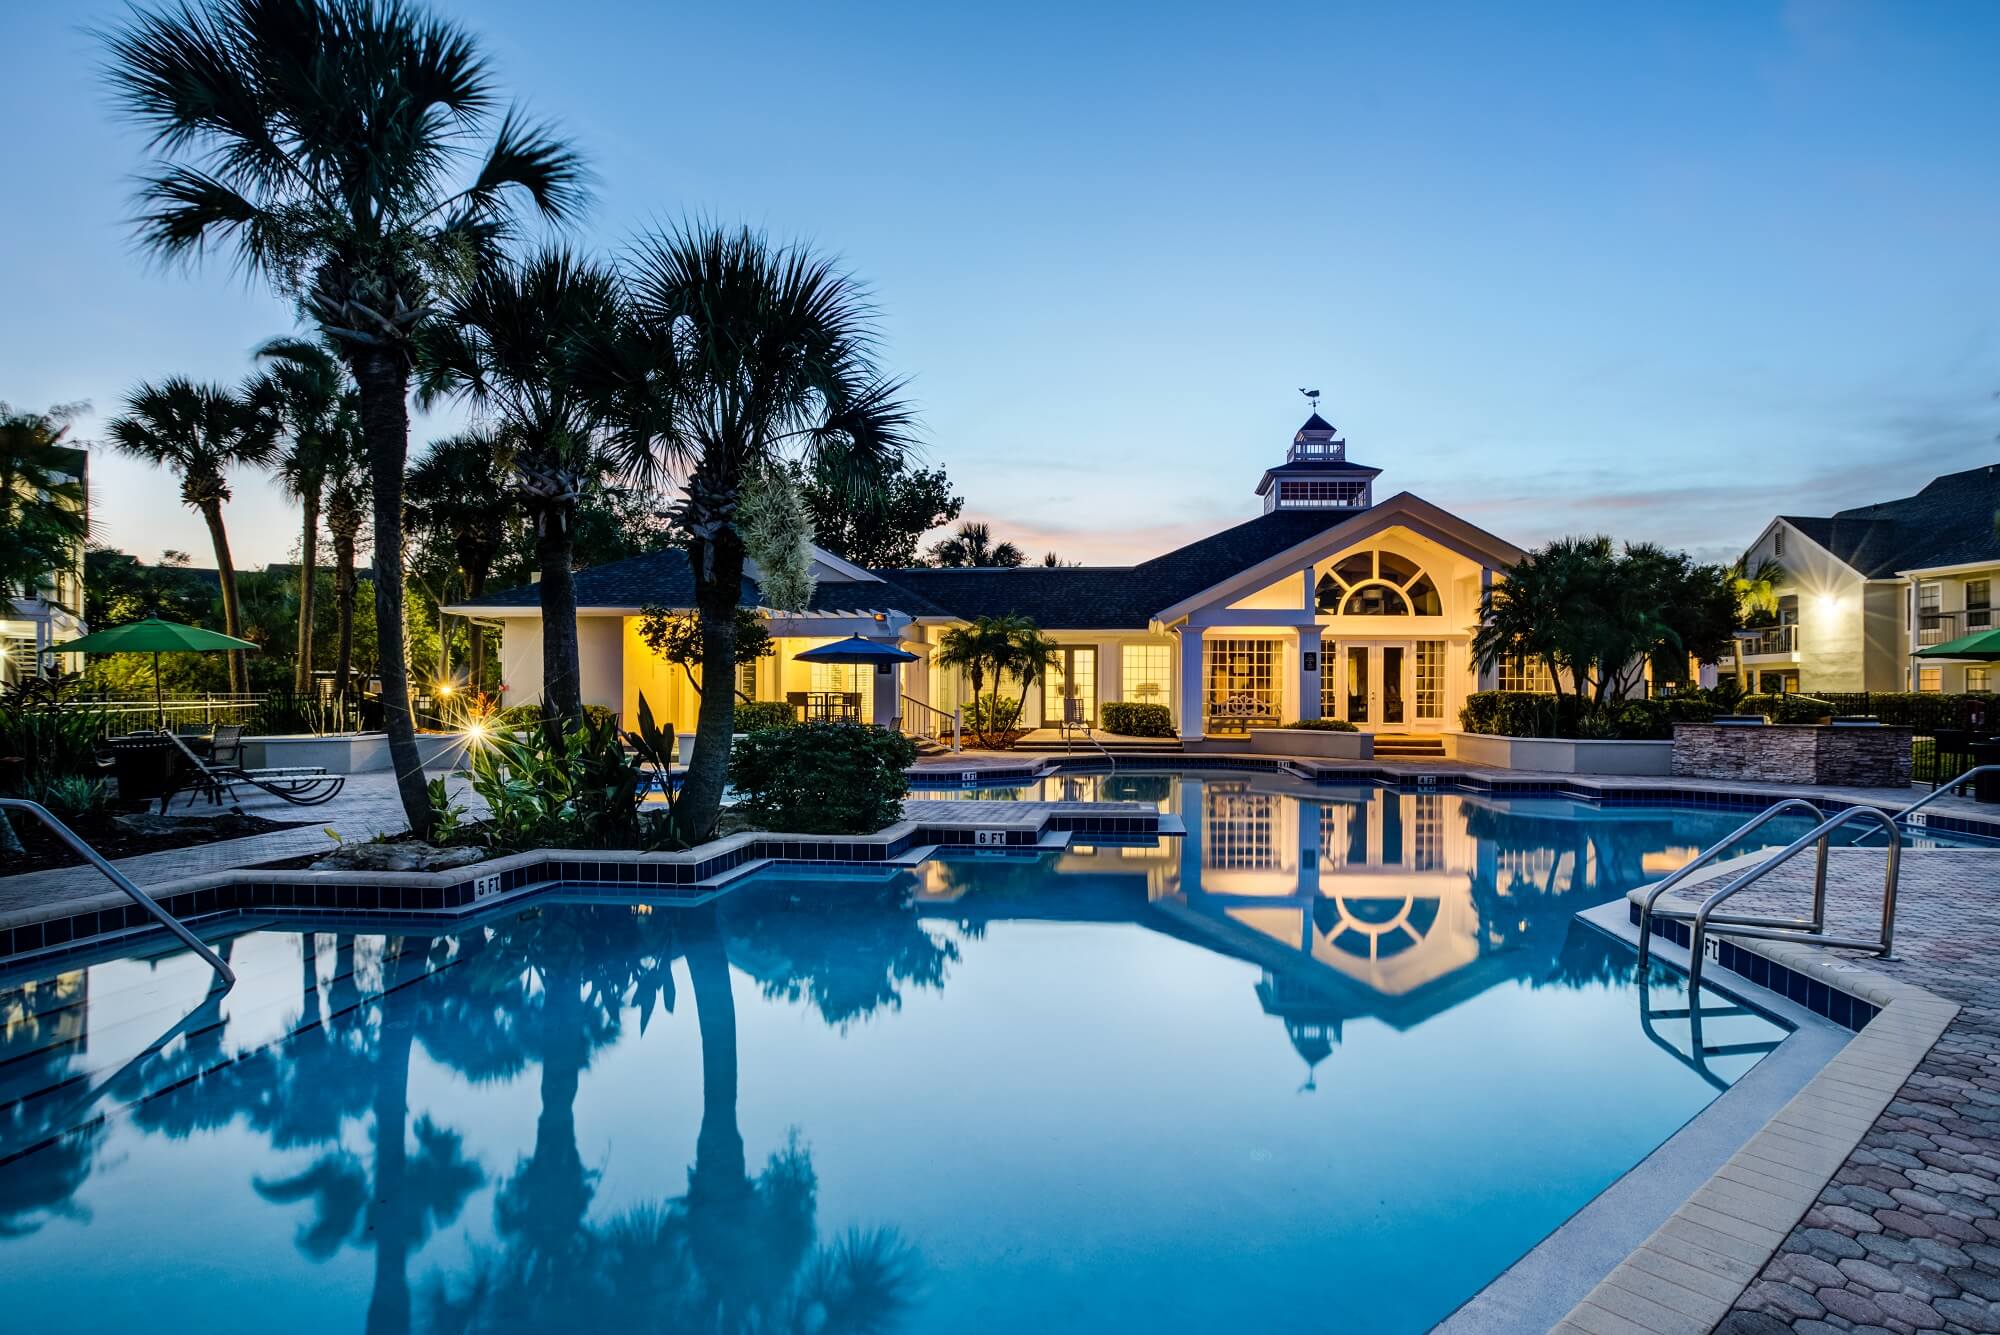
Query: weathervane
{"points": [[1312, 395]]}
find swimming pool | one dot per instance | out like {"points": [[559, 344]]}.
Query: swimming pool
{"points": [[1335, 1060]]}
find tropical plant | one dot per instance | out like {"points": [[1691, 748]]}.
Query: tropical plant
{"points": [[740, 355], [200, 432], [545, 788], [307, 392], [822, 778], [676, 635], [513, 343], [458, 503], [655, 748], [877, 522], [1597, 616], [994, 648], [973, 545], [43, 519], [328, 141]]}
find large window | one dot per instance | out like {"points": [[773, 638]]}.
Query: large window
{"points": [[1929, 596], [1377, 584], [1930, 679], [1978, 604], [1524, 672], [1146, 674], [1320, 494], [1242, 684], [1430, 679], [1976, 679]]}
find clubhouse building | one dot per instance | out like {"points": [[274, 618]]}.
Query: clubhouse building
{"points": [[1331, 603]]}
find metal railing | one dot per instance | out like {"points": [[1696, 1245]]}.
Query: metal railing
{"points": [[921, 719], [1770, 640], [1937, 627], [119, 879], [1710, 854]]}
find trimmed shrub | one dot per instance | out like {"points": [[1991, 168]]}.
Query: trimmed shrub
{"points": [[822, 778], [1519, 714], [1132, 718], [993, 713], [1322, 725], [1526, 714], [760, 715]]}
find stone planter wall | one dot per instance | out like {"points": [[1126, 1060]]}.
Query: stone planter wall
{"points": [[1562, 755], [1865, 757], [1312, 742]]}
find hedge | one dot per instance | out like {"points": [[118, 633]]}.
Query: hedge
{"points": [[822, 778], [759, 715], [1322, 725], [1529, 714], [1132, 718]]}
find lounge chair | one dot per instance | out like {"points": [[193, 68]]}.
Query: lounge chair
{"points": [[302, 786]]}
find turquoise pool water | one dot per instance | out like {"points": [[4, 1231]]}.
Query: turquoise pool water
{"points": [[1332, 1062]]}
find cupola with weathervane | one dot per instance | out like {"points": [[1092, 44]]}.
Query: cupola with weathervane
{"points": [[1317, 474]]}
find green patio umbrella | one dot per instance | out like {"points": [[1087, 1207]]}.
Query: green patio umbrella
{"points": [[155, 637], [1981, 646]]}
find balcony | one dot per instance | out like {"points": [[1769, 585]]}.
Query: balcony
{"points": [[1938, 627], [1771, 641]]}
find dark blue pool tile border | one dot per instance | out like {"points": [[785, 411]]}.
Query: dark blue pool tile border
{"points": [[1842, 1008], [451, 893]]}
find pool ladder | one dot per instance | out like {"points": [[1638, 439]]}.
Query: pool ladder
{"points": [[119, 879], [1811, 930]]}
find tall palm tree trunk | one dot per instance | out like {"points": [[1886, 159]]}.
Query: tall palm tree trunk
{"points": [[302, 673], [562, 675], [718, 584], [343, 612], [225, 573], [475, 634], [384, 382]]}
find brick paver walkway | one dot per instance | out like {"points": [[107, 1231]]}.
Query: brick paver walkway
{"points": [[1906, 1237]]}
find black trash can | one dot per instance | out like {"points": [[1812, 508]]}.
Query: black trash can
{"points": [[146, 766], [1986, 788]]}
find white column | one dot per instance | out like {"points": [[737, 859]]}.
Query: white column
{"points": [[888, 702], [1189, 699], [1309, 643]]}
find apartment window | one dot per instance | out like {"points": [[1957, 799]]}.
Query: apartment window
{"points": [[1146, 673], [1978, 604], [1976, 679], [1430, 679], [1930, 679], [1522, 672], [1928, 597]]}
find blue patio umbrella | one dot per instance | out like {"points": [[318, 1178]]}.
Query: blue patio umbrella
{"points": [[854, 649]]}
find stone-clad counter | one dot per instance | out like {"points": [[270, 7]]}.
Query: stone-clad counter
{"points": [[1863, 755]]}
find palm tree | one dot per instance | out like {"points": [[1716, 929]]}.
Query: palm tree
{"points": [[457, 490], [313, 402], [332, 143], [972, 545], [43, 519], [738, 356], [200, 432], [1757, 589], [515, 343], [349, 490], [993, 646]]}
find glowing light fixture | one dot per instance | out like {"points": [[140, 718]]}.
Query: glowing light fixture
{"points": [[444, 688], [1827, 602]]}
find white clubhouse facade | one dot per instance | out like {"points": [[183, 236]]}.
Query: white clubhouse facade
{"points": [[1328, 604]]}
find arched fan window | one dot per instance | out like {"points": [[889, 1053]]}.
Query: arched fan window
{"points": [[1377, 584]]}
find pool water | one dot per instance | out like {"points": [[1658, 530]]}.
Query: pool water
{"points": [[1334, 1061]]}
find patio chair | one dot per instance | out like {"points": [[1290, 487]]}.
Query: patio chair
{"points": [[302, 786], [1072, 722], [225, 744]]}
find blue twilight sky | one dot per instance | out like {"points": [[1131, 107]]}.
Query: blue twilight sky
{"points": [[1659, 270]]}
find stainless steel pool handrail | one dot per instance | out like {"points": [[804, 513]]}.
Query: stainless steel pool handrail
{"points": [[1647, 911], [1814, 935], [1944, 789], [119, 879]]}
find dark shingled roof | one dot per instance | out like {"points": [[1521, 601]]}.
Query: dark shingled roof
{"points": [[1317, 423], [1950, 522], [1058, 597]]}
